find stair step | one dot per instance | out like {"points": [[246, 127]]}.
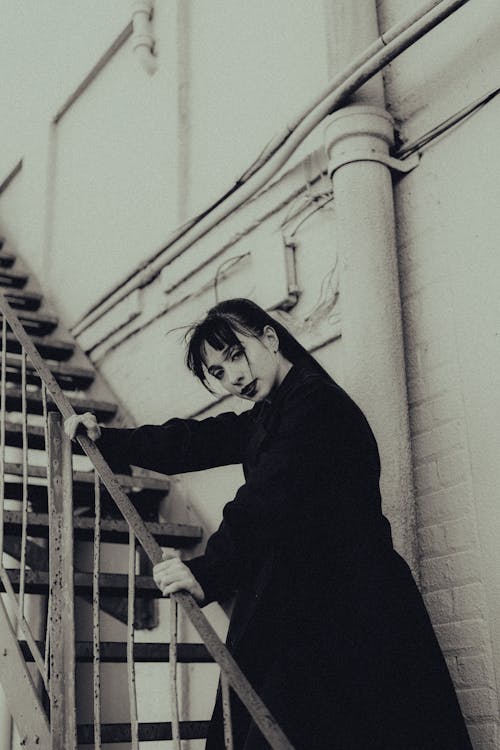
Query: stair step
{"points": [[36, 437], [112, 530], [103, 410], [36, 323], [145, 501], [12, 278], [7, 260], [68, 377], [151, 731], [49, 348], [14, 435], [87, 477], [115, 652], [115, 584], [37, 558], [23, 300], [144, 491]]}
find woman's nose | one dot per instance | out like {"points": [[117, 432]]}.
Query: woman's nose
{"points": [[236, 374]]}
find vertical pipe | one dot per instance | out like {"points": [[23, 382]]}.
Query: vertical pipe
{"points": [[183, 44], [132, 692], [226, 712], [142, 38], [372, 337], [62, 621], [351, 27], [174, 700], [95, 614]]}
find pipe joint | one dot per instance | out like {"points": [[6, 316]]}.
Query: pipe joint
{"points": [[142, 37], [360, 133]]}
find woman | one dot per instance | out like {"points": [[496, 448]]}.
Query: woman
{"points": [[328, 624]]}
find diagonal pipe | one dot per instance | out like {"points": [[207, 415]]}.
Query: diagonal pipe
{"points": [[380, 53]]}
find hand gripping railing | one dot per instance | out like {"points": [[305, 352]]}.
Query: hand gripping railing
{"points": [[231, 675]]}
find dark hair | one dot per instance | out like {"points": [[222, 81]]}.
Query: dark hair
{"points": [[232, 316]]}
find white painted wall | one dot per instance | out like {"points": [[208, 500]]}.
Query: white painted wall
{"points": [[137, 155]]}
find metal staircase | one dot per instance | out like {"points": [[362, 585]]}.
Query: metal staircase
{"points": [[47, 506]]}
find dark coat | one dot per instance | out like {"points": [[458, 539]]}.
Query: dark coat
{"points": [[328, 624]]}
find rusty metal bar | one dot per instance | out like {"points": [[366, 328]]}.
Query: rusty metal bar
{"points": [[96, 645], [132, 692], [2, 431], [22, 624], [174, 698], [262, 717], [226, 712], [62, 622], [20, 692], [24, 528], [47, 630], [17, 603], [256, 708]]}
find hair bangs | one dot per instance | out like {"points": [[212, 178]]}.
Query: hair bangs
{"points": [[220, 328], [219, 333]]}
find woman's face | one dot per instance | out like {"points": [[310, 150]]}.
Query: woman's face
{"points": [[252, 368]]}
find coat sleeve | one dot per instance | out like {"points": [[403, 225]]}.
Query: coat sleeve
{"points": [[287, 496], [179, 445]]}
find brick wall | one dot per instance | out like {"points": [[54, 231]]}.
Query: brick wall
{"points": [[449, 551]]}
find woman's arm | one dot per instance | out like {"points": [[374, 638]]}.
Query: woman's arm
{"points": [[292, 492], [178, 446]]}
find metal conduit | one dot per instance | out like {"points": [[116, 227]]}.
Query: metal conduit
{"points": [[381, 52]]}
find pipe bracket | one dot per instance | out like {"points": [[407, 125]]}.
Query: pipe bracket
{"points": [[396, 165]]}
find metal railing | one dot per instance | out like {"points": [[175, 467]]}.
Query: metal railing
{"points": [[57, 667]]}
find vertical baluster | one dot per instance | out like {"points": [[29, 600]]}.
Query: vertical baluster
{"points": [[3, 411], [24, 535], [95, 612], [49, 483], [62, 622], [134, 724], [226, 712], [174, 698]]}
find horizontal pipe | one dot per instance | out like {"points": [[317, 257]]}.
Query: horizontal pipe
{"points": [[385, 49]]}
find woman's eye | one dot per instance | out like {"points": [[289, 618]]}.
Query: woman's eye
{"points": [[218, 375], [236, 354]]}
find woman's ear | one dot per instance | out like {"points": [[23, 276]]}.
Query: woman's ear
{"points": [[271, 338]]}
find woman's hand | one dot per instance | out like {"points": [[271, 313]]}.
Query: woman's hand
{"points": [[73, 426], [172, 575]]}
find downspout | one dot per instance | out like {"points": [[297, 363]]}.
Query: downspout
{"points": [[142, 37], [358, 140]]}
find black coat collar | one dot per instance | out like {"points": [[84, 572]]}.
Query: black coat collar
{"points": [[264, 409]]}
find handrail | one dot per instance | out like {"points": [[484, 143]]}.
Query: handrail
{"points": [[260, 714]]}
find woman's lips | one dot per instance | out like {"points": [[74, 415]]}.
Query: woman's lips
{"points": [[250, 389]]}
